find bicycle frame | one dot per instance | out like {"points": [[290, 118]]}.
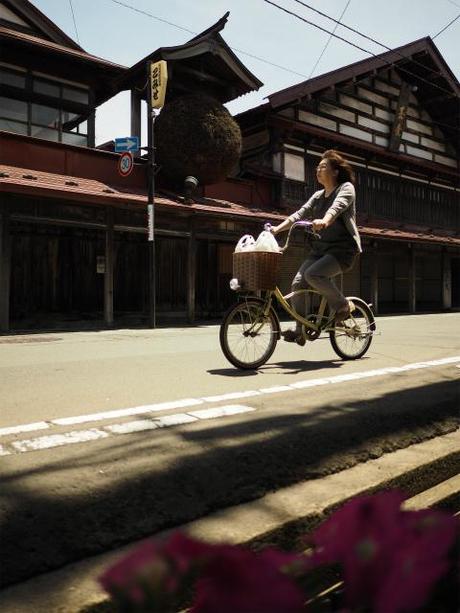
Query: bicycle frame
{"points": [[319, 315]]}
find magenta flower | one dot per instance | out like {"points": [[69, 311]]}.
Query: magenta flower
{"points": [[391, 559], [153, 574], [241, 581]]}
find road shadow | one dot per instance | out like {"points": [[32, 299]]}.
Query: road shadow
{"points": [[290, 367], [164, 478]]}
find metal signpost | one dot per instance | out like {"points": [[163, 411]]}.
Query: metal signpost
{"points": [[157, 74]]}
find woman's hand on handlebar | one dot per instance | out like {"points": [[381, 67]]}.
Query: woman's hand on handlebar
{"points": [[319, 224]]}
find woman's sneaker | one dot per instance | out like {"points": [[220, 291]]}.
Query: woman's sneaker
{"points": [[293, 336]]}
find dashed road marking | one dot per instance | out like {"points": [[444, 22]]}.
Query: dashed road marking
{"points": [[140, 425], [57, 440], [234, 409]]}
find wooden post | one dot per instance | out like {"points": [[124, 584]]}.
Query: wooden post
{"points": [[108, 275], [446, 280], [135, 114], [412, 280], [375, 279], [5, 269], [91, 122], [191, 277]]}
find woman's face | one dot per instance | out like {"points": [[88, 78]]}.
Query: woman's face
{"points": [[325, 173]]}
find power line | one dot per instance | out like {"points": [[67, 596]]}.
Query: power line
{"points": [[315, 25], [74, 22], [369, 38], [445, 27], [417, 63], [170, 23], [175, 25], [385, 62], [328, 40]]}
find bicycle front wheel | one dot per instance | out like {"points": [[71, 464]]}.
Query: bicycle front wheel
{"points": [[247, 336], [353, 337]]}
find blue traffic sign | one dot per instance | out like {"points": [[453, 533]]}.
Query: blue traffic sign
{"points": [[129, 143]]}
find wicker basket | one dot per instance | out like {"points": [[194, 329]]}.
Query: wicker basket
{"points": [[256, 269]]}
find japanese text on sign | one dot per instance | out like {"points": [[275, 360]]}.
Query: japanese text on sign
{"points": [[158, 82]]}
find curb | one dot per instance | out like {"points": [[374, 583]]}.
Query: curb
{"points": [[427, 471]]}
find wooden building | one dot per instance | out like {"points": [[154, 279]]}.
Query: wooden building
{"points": [[396, 117], [73, 236], [72, 231]]}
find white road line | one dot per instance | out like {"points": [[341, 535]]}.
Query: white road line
{"points": [[190, 402], [147, 408], [221, 411], [140, 425], [57, 440], [175, 420], [275, 389], [132, 426], [231, 396], [39, 425], [311, 383]]}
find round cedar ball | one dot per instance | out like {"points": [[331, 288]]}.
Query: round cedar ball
{"points": [[196, 135]]}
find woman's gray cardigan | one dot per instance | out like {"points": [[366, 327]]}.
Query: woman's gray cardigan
{"points": [[343, 204]]}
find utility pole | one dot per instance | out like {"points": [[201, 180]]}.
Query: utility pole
{"points": [[157, 78], [151, 200]]}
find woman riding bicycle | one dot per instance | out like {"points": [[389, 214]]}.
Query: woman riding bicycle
{"points": [[333, 213]]}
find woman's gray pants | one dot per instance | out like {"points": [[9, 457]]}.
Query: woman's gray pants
{"points": [[317, 272]]}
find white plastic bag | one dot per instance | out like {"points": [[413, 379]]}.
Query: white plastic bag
{"points": [[266, 242], [246, 243]]}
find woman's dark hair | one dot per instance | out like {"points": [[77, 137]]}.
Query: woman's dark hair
{"points": [[337, 162]]}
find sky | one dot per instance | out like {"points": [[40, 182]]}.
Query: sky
{"points": [[254, 28]]}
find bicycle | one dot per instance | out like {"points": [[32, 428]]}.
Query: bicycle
{"points": [[251, 328]]}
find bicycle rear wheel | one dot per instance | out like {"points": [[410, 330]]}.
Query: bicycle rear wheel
{"points": [[353, 337], [248, 337]]}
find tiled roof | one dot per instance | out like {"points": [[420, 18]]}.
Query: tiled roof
{"points": [[408, 232], [33, 182], [47, 44], [44, 184]]}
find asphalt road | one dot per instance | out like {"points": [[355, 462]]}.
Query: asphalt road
{"points": [[92, 457]]}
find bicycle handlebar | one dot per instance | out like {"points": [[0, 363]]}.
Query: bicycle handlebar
{"points": [[306, 225]]}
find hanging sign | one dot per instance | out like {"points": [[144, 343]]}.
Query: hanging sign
{"points": [[158, 82], [126, 164]]}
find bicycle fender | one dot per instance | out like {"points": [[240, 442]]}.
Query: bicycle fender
{"points": [[362, 302]]}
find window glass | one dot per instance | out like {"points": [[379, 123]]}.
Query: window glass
{"points": [[47, 88], [9, 77], [75, 95], [82, 128], [46, 133], [74, 139], [45, 115], [294, 167], [13, 109], [13, 126]]}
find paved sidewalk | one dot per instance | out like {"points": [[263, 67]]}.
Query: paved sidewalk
{"points": [[276, 518]]}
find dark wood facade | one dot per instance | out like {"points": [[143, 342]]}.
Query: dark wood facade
{"points": [[73, 233], [396, 118]]}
